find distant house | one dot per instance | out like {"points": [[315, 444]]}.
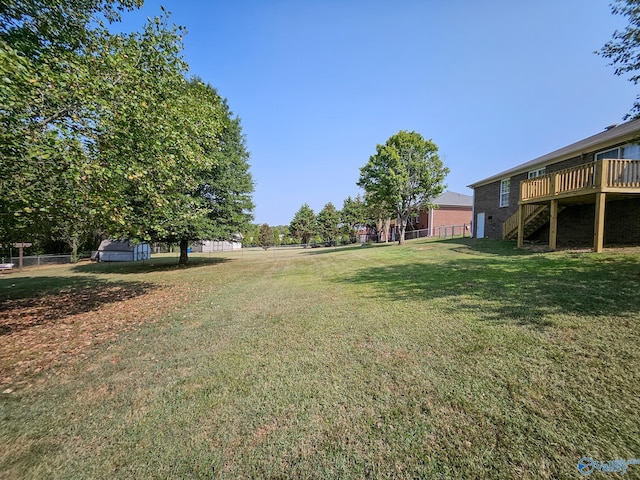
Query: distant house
{"points": [[452, 209], [122, 251], [585, 193], [208, 246]]}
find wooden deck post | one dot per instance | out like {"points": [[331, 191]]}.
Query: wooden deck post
{"points": [[598, 229], [520, 226], [553, 224], [600, 174]]}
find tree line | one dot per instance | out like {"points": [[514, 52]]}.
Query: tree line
{"points": [[330, 226], [399, 180], [104, 134]]}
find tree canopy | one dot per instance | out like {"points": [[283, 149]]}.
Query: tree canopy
{"points": [[103, 131], [404, 176], [265, 236], [353, 215], [624, 48], [328, 221], [304, 225]]}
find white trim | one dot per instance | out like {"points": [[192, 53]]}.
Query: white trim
{"points": [[504, 195], [473, 215]]}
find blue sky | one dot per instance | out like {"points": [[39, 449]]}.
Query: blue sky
{"points": [[318, 84]]}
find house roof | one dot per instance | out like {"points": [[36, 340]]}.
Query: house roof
{"points": [[115, 246], [614, 135], [453, 199]]}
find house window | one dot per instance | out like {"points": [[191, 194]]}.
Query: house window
{"points": [[537, 173], [631, 151], [613, 153], [504, 192]]}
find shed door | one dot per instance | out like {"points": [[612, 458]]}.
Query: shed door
{"points": [[480, 226]]}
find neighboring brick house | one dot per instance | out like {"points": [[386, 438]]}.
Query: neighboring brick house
{"points": [[568, 196], [453, 209]]}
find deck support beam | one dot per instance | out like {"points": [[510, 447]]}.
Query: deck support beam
{"points": [[553, 225], [520, 226], [598, 230]]}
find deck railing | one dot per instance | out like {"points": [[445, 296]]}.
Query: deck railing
{"points": [[602, 174], [574, 179], [623, 174], [535, 187]]}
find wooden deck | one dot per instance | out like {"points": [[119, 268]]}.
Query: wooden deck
{"points": [[603, 176], [587, 183]]}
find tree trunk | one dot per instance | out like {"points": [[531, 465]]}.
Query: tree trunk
{"points": [[401, 230], [184, 259], [74, 250], [387, 227], [380, 230]]}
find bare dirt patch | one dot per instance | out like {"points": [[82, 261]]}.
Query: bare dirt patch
{"points": [[49, 332]]}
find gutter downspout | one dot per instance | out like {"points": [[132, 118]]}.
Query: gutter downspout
{"points": [[473, 215]]}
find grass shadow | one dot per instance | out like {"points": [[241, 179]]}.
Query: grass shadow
{"points": [[27, 302], [154, 265], [485, 247], [525, 288], [325, 250]]}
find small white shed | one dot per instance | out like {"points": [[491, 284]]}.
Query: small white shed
{"points": [[123, 251], [208, 246]]}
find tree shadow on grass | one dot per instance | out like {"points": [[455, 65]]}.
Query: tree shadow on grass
{"points": [[523, 288], [154, 265], [27, 302], [485, 246], [345, 248]]}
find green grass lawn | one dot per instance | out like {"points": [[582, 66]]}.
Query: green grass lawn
{"points": [[451, 359]]}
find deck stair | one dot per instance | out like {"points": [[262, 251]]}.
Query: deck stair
{"points": [[535, 217]]}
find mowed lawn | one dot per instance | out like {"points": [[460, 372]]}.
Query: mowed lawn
{"points": [[446, 360]]}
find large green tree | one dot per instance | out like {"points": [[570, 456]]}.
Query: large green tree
{"points": [[103, 130], [404, 175], [50, 103], [624, 48], [265, 236], [328, 221], [354, 214], [186, 175], [304, 225]]}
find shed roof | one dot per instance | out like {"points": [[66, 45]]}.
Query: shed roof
{"points": [[453, 199], [627, 131], [116, 246]]}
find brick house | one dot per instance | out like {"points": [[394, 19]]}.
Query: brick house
{"points": [[453, 209], [587, 193]]}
